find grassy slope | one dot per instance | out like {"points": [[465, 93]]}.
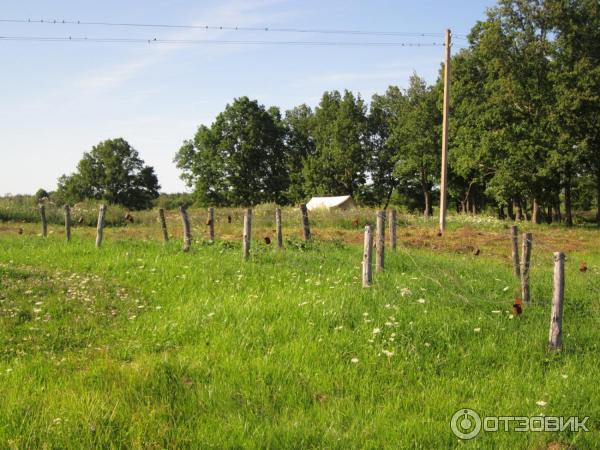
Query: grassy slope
{"points": [[138, 345]]}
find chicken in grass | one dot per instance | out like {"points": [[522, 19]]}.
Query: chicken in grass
{"points": [[583, 267], [517, 308]]}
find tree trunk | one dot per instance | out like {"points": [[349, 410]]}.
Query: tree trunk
{"points": [[568, 206], [535, 212], [549, 214], [557, 216], [474, 208], [427, 196], [511, 211], [501, 214]]}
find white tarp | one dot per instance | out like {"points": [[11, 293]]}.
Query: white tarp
{"points": [[342, 201]]}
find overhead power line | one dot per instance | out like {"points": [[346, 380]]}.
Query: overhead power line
{"points": [[216, 41], [224, 28]]}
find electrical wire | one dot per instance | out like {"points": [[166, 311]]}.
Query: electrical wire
{"points": [[226, 28], [216, 41]]}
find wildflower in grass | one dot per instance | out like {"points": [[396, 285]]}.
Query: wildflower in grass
{"points": [[376, 330], [421, 301], [496, 311], [387, 353], [354, 360], [565, 376], [505, 288], [210, 314], [405, 292], [477, 330], [541, 403], [427, 344]]}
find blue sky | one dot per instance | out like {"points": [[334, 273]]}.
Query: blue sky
{"points": [[59, 99]]}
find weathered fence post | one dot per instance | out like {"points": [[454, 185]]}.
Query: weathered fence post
{"points": [[558, 294], [305, 223], [367, 275], [187, 233], [247, 235], [380, 241], [100, 225], [44, 220], [514, 232], [278, 227], [527, 242], [392, 224], [211, 224], [68, 222], [163, 224]]}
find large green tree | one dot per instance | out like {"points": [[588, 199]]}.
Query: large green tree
{"points": [[385, 111], [299, 146], [416, 136], [114, 172], [576, 78], [339, 163], [239, 159]]}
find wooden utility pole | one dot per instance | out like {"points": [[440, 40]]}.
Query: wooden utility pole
{"points": [[444, 178]]}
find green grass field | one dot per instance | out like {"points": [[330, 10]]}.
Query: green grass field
{"points": [[138, 345]]}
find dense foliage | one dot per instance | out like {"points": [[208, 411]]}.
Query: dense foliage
{"points": [[111, 171], [524, 129]]}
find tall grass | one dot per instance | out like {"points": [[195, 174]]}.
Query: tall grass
{"points": [[138, 345]]}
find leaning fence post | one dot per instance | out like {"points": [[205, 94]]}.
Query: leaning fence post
{"points": [[367, 275], [68, 222], [555, 338], [100, 225], [247, 235], [163, 224], [211, 224], [380, 241], [514, 232], [392, 223], [187, 234], [44, 221], [527, 242], [305, 223], [278, 227]]}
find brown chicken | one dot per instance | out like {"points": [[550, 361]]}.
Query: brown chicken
{"points": [[267, 240], [355, 223], [517, 307], [583, 267]]}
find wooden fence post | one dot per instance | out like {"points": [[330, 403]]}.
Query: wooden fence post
{"points": [[68, 222], [305, 223], [380, 241], [555, 338], [514, 232], [187, 233], [163, 224], [44, 220], [211, 224], [100, 225], [392, 224], [367, 275], [247, 235], [527, 242], [278, 227]]}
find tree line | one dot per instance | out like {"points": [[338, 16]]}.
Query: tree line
{"points": [[524, 132]]}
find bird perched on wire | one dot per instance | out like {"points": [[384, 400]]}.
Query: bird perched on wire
{"points": [[517, 308], [583, 267]]}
